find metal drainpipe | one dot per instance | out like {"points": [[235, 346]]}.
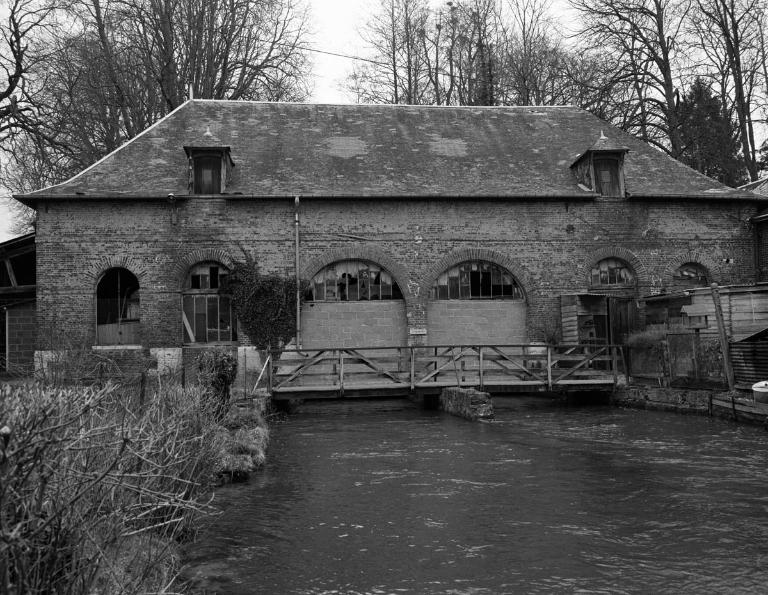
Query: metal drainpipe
{"points": [[298, 282]]}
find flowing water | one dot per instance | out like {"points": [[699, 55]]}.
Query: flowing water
{"points": [[366, 498]]}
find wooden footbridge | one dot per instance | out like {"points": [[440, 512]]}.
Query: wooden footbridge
{"points": [[426, 370]]}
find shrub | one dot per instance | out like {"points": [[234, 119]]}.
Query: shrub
{"points": [[648, 339], [217, 369], [265, 304], [95, 494]]}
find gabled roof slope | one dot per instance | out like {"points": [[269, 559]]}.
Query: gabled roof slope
{"points": [[758, 186], [381, 150]]}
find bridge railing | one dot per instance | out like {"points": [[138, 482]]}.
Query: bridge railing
{"points": [[536, 366]]}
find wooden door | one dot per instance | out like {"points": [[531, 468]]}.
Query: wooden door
{"points": [[622, 319]]}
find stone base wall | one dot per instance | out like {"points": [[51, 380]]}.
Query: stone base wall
{"points": [[128, 364], [664, 399], [125, 364], [467, 403]]}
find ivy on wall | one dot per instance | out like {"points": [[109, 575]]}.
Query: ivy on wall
{"points": [[265, 304]]}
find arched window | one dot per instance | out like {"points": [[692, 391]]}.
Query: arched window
{"points": [[206, 307], [691, 274], [612, 272], [353, 280], [117, 308], [476, 279]]}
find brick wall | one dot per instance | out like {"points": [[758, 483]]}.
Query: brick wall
{"points": [[354, 324], [549, 245], [762, 251], [21, 336], [452, 322]]}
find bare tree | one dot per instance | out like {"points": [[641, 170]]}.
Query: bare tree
{"points": [[397, 71], [123, 64], [645, 38], [20, 55], [730, 36]]}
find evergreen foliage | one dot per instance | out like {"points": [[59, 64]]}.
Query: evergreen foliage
{"points": [[710, 137], [265, 304]]}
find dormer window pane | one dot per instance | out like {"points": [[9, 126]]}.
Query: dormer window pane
{"points": [[207, 174], [607, 174]]}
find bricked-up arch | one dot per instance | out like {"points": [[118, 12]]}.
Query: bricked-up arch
{"points": [[118, 305], [367, 253], [617, 252], [477, 321], [359, 323], [186, 262]]}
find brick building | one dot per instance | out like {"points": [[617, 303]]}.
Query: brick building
{"points": [[426, 225]]}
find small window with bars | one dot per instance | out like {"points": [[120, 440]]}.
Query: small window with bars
{"points": [[612, 272], [691, 274]]}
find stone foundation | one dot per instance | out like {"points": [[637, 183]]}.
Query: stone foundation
{"points": [[664, 399], [467, 403]]}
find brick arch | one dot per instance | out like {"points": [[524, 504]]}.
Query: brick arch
{"points": [[692, 256], [182, 265], [614, 252], [369, 253], [463, 255], [97, 270]]}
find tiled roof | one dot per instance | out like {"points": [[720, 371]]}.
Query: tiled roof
{"points": [[286, 149]]}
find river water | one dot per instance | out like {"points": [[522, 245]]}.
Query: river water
{"points": [[388, 498]]}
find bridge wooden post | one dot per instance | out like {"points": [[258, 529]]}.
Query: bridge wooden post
{"points": [[549, 367], [413, 367], [480, 355], [341, 372], [615, 365]]}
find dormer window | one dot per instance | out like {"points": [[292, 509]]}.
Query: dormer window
{"points": [[207, 174], [607, 175], [601, 167], [210, 169]]}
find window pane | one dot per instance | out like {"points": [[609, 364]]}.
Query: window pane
{"points": [[213, 318], [225, 318], [200, 324], [207, 174], [475, 280], [350, 280], [214, 276], [363, 284], [453, 287], [475, 283], [353, 280], [189, 317]]}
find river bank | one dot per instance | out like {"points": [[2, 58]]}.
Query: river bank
{"points": [[102, 483], [735, 405]]}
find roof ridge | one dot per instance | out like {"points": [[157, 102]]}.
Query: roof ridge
{"points": [[382, 105]]}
